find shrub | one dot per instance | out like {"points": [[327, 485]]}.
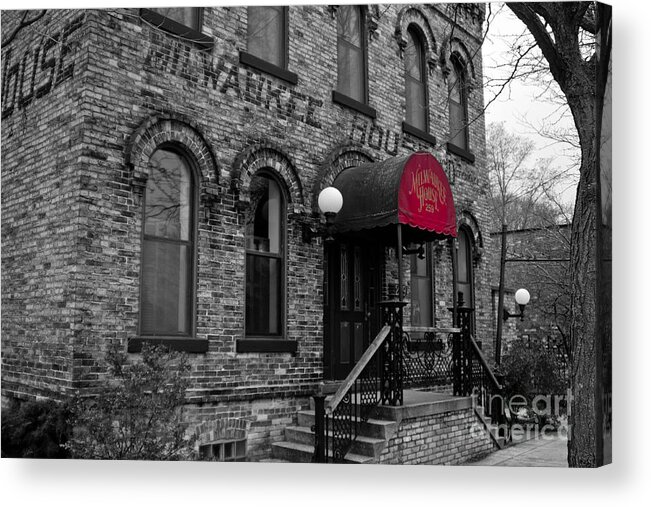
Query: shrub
{"points": [[138, 413], [35, 429], [530, 371]]}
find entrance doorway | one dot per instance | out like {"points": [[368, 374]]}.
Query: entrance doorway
{"points": [[352, 292]]}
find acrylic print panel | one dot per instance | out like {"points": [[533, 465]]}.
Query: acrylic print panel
{"points": [[191, 308]]}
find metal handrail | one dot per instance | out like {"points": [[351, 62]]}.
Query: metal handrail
{"points": [[357, 369], [484, 363]]}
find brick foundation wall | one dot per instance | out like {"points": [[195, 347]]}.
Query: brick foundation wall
{"points": [[450, 438]]}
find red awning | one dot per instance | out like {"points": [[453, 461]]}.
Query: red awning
{"points": [[413, 191]]}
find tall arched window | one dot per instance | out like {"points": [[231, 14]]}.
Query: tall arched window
{"points": [[464, 267], [458, 104], [415, 81], [167, 288], [265, 231], [422, 289], [351, 58]]}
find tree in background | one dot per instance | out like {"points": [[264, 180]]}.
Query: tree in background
{"points": [[575, 41]]}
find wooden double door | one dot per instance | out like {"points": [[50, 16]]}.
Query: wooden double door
{"points": [[352, 292]]}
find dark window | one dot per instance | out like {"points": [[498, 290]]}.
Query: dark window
{"points": [[351, 58], [187, 16], [415, 81], [464, 267], [266, 34], [168, 247], [458, 105], [184, 22], [421, 289], [264, 258], [226, 450]]}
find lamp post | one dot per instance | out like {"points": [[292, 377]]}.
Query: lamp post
{"points": [[522, 298], [330, 202]]}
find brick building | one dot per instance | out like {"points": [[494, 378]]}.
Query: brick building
{"points": [[160, 174]]}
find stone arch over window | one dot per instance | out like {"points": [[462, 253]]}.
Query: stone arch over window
{"points": [[458, 51], [339, 159], [414, 16], [174, 130], [266, 156], [468, 221]]}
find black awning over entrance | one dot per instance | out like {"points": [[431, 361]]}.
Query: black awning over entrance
{"points": [[412, 191]]}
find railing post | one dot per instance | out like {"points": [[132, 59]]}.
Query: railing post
{"points": [[319, 429], [391, 370]]}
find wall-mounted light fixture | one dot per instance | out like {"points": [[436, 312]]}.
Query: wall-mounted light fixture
{"points": [[330, 202], [522, 297]]}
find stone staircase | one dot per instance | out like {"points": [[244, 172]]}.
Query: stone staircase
{"points": [[374, 434], [298, 446]]}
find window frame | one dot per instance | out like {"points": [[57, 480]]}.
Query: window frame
{"points": [[339, 97], [191, 34], [470, 268], [183, 342], [273, 342], [459, 78], [251, 60], [429, 263], [414, 32]]}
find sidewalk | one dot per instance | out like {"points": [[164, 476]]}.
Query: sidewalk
{"points": [[550, 451]]}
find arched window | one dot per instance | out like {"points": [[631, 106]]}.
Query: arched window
{"points": [[265, 231], [415, 81], [458, 104], [464, 267], [167, 288], [351, 58]]}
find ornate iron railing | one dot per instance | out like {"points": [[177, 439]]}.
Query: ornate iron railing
{"points": [[472, 375], [427, 356], [375, 379]]}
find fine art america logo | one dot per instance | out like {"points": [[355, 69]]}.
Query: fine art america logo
{"points": [[545, 418]]}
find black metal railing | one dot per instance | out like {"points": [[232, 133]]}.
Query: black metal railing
{"points": [[473, 376], [375, 379], [427, 356]]}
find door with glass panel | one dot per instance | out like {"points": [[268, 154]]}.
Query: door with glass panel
{"points": [[351, 296]]}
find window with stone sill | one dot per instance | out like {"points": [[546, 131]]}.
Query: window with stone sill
{"points": [[168, 252], [265, 270], [415, 81]]}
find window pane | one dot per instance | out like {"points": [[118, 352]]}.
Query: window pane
{"points": [[414, 56], [262, 295], [350, 53], [263, 228], [188, 16], [167, 198], [421, 301], [350, 71], [266, 34], [458, 125], [463, 257], [416, 112], [166, 290]]}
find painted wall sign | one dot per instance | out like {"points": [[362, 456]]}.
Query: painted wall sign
{"points": [[33, 73], [368, 134], [201, 69]]}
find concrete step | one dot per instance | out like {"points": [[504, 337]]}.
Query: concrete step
{"points": [[362, 445], [301, 453], [373, 428]]}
